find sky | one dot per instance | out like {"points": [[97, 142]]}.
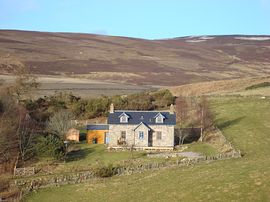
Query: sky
{"points": [[149, 19]]}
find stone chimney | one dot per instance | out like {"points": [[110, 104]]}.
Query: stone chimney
{"points": [[171, 109], [111, 108]]}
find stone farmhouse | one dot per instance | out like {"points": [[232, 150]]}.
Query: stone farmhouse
{"points": [[141, 129]]}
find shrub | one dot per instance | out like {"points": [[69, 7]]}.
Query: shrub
{"points": [[49, 146], [259, 85], [105, 171], [4, 184], [162, 98]]}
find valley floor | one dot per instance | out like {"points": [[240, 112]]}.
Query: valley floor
{"points": [[82, 87], [244, 122]]}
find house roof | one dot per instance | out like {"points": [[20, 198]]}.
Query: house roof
{"points": [[97, 127], [124, 114], [142, 124], [146, 117]]}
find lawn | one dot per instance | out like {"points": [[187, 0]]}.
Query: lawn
{"points": [[244, 121], [203, 148], [87, 156]]}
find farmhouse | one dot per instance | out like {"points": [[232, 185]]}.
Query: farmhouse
{"points": [[141, 129]]}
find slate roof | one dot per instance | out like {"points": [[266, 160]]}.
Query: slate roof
{"points": [[146, 117], [97, 127]]}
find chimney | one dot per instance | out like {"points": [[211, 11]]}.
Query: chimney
{"points": [[111, 109], [171, 109]]}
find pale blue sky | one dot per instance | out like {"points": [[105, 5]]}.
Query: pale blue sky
{"points": [[150, 19]]}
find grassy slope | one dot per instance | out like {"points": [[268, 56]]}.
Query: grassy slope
{"points": [[244, 121]]}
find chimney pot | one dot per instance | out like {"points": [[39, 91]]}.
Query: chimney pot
{"points": [[171, 109], [112, 108]]}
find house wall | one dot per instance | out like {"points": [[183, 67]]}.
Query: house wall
{"points": [[141, 142], [73, 135], [133, 136], [167, 139], [99, 134]]}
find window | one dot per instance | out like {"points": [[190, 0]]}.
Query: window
{"points": [[141, 135], [123, 135], [123, 119], [159, 135], [159, 119]]}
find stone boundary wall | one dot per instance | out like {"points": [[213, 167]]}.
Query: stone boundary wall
{"points": [[27, 171], [34, 183]]}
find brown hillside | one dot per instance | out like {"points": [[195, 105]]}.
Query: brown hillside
{"points": [[138, 61], [217, 87]]}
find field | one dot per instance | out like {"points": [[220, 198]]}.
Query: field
{"points": [[82, 87], [244, 121]]}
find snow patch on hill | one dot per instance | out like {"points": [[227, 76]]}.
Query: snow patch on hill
{"points": [[195, 39], [253, 38]]}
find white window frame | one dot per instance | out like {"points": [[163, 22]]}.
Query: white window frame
{"points": [[141, 135], [123, 119], [159, 119]]}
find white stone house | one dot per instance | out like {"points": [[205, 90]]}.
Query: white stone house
{"points": [[141, 129]]}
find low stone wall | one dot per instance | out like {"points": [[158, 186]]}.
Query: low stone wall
{"points": [[27, 171], [29, 184], [141, 148]]}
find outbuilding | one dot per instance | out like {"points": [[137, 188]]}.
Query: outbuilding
{"points": [[97, 134]]}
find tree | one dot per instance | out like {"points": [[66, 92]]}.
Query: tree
{"points": [[59, 125], [205, 115], [25, 134], [181, 109], [24, 83], [8, 127]]}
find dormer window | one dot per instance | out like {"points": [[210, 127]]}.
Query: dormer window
{"points": [[159, 118], [123, 118]]}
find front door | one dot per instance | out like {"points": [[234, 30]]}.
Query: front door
{"points": [[107, 140]]}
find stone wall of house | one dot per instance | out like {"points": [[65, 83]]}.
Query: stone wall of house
{"points": [[115, 134], [167, 136], [141, 142], [132, 136]]}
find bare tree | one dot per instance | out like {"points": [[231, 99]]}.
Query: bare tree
{"points": [[24, 83], [181, 108], [8, 126], [15, 139], [59, 125], [205, 115], [25, 133]]}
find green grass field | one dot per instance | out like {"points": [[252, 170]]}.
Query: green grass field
{"points": [[244, 121]]}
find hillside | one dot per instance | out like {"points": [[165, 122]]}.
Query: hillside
{"points": [[129, 60], [233, 86], [244, 122]]}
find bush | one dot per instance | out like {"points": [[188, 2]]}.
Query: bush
{"points": [[259, 85], [162, 98], [49, 146], [4, 184], [105, 171]]}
